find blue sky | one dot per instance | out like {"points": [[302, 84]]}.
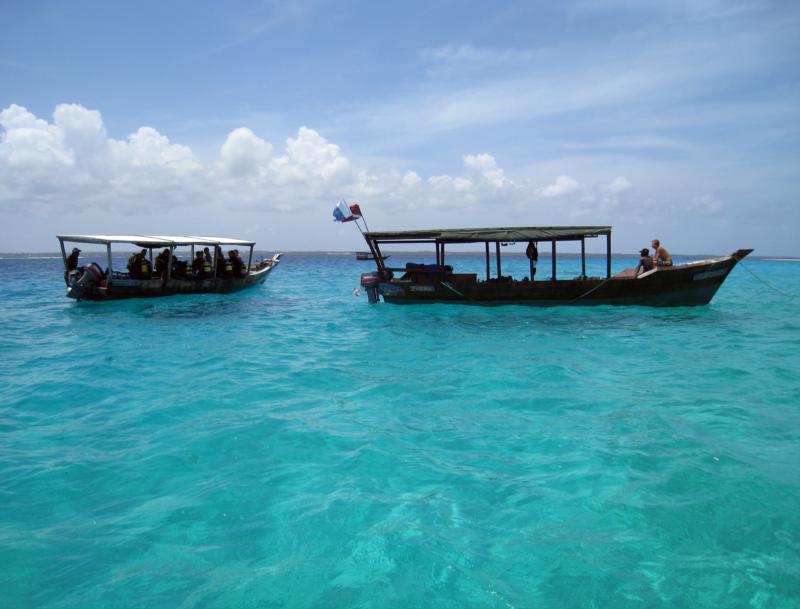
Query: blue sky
{"points": [[677, 120]]}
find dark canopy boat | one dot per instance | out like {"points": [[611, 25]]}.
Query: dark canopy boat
{"points": [[91, 282], [367, 256], [689, 284]]}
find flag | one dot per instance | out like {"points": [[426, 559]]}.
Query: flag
{"points": [[355, 210], [342, 213]]}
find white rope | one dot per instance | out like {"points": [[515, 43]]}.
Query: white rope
{"points": [[449, 287], [597, 287], [769, 285]]}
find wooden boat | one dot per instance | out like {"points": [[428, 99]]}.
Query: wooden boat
{"points": [[368, 256], [690, 284], [91, 282]]}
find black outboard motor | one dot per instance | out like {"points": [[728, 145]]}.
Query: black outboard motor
{"points": [[370, 281], [84, 280], [92, 276]]}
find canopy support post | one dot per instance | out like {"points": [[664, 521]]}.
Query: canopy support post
{"points": [[553, 259], [63, 253], [378, 256], [249, 259], [169, 264], [497, 253], [487, 261], [608, 255], [583, 257], [108, 255]]}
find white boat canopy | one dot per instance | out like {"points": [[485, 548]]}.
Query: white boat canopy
{"points": [[154, 240]]}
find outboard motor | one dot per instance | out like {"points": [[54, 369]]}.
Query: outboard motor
{"points": [[92, 275], [370, 282], [83, 280]]}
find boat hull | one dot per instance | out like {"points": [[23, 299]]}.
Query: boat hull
{"points": [[123, 288], [684, 285]]}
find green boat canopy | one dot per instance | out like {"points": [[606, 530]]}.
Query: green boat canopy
{"points": [[479, 235]]}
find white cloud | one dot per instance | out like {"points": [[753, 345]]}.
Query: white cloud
{"points": [[486, 167], [564, 185], [72, 162], [72, 159], [616, 186], [245, 154]]}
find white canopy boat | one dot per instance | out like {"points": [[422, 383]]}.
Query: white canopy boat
{"points": [[170, 275]]}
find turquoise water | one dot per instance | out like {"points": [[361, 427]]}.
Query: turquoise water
{"points": [[292, 446]]}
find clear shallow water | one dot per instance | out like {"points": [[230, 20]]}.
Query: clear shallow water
{"points": [[291, 446]]}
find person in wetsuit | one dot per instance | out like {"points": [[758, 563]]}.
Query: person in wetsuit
{"points": [[135, 264], [236, 263], [162, 262], [197, 265], [532, 252], [72, 263]]}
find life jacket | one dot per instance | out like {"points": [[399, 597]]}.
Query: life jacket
{"points": [[207, 269]]}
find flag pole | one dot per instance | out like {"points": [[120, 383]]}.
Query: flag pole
{"points": [[363, 219]]}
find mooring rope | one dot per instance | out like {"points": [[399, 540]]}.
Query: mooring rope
{"points": [[597, 287], [766, 283], [449, 287]]}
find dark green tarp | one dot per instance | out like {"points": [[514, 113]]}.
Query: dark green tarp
{"points": [[476, 235]]}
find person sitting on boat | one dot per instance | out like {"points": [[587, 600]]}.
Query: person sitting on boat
{"points": [[162, 261], [72, 263], [219, 258], [197, 265], [139, 266], [227, 265], [532, 252], [645, 262], [242, 265], [178, 267], [235, 262], [661, 256]]}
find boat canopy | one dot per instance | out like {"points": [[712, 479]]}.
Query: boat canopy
{"points": [[155, 240], [479, 235]]}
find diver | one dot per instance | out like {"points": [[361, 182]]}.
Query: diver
{"points": [[162, 263], [72, 263], [197, 266], [137, 265]]}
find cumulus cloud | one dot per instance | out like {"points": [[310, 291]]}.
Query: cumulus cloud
{"points": [[73, 158], [564, 185], [244, 154], [485, 166], [72, 161]]}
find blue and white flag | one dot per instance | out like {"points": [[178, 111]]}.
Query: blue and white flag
{"points": [[342, 213]]}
